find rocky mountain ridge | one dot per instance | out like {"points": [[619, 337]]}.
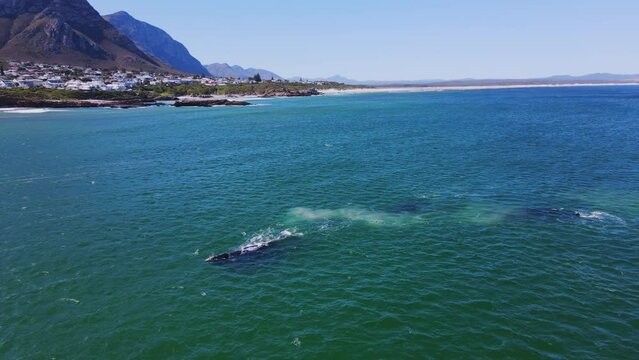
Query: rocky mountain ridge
{"points": [[68, 32], [156, 42], [224, 70]]}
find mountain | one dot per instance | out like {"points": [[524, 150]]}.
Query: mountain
{"points": [[558, 79], [157, 43], [68, 32], [596, 77], [238, 72], [337, 79], [344, 80], [600, 78]]}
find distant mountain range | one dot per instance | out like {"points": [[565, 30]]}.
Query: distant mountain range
{"points": [[599, 78], [345, 80], [238, 72], [157, 43], [72, 32], [557, 79], [336, 78], [67, 32]]}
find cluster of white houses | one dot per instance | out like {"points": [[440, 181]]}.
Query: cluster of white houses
{"points": [[28, 76]]}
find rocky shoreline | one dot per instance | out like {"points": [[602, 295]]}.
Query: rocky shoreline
{"points": [[11, 101], [291, 93], [6, 102], [17, 102], [209, 103]]}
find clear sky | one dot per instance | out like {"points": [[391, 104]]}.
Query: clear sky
{"points": [[403, 39]]}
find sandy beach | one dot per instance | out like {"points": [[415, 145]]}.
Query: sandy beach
{"points": [[408, 89]]}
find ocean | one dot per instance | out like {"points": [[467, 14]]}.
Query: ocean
{"points": [[490, 224]]}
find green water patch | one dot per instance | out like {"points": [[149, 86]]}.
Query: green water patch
{"points": [[353, 215], [482, 214]]}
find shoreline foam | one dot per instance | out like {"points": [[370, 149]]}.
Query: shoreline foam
{"points": [[410, 89]]}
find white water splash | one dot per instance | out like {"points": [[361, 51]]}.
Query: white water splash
{"points": [[266, 238], [69, 300], [256, 242], [600, 216], [27, 111]]}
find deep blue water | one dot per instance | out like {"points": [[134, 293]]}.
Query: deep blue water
{"points": [[425, 225]]}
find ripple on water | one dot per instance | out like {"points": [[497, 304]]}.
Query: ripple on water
{"points": [[416, 235]]}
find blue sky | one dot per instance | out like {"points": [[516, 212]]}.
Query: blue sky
{"points": [[403, 39]]}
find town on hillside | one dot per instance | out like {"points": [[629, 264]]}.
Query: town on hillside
{"points": [[26, 75]]}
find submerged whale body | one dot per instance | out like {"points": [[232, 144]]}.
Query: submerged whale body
{"points": [[254, 245], [244, 250], [567, 216], [409, 207], [548, 213], [223, 257]]}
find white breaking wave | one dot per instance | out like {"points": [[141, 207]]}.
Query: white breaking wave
{"points": [[69, 300], [26, 111]]}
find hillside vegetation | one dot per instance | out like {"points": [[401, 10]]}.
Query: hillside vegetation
{"points": [[261, 89]]}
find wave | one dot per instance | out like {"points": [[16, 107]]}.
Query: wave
{"points": [[375, 218], [27, 111], [69, 300]]}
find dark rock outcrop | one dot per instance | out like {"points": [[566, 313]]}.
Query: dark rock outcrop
{"points": [[210, 103], [157, 43], [20, 102], [292, 93]]}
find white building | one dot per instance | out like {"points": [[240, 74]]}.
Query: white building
{"points": [[29, 83], [75, 85], [117, 86], [54, 82], [6, 84]]}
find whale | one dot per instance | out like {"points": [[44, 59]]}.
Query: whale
{"points": [[223, 257], [412, 207], [256, 244], [547, 214], [237, 253], [406, 208]]}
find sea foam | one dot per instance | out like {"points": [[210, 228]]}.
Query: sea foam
{"points": [[267, 237], [374, 218], [601, 216], [26, 111]]}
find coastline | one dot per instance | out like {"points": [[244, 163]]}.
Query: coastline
{"points": [[26, 106], [408, 89], [398, 89]]}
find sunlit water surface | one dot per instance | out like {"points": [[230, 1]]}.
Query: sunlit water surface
{"points": [[481, 224]]}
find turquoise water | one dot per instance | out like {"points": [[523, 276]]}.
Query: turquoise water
{"points": [[421, 225]]}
